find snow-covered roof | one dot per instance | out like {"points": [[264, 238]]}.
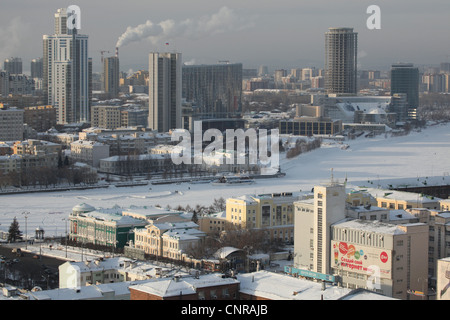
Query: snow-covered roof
{"points": [[98, 264], [222, 253], [276, 286], [83, 207], [370, 226], [182, 286], [92, 292]]}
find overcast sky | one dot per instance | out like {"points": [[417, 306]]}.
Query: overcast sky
{"points": [[279, 34]]}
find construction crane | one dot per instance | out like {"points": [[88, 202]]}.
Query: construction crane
{"points": [[102, 52]]}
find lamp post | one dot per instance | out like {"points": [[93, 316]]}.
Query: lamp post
{"points": [[65, 220], [26, 213]]}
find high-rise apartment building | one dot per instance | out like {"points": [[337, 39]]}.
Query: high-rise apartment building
{"points": [[13, 65], [37, 70], [405, 79], [67, 72], [341, 45], [164, 91], [111, 76], [215, 89]]}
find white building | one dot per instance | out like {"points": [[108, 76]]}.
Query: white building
{"points": [[443, 279], [312, 229], [89, 152], [389, 259], [67, 72]]}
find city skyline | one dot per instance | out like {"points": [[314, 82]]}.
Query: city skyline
{"points": [[282, 35]]}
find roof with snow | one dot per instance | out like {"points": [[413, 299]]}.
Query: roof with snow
{"points": [[370, 226], [263, 284], [183, 285]]}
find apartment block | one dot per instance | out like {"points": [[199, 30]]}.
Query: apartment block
{"points": [[11, 123], [40, 118], [89, 152], [274, 212]]}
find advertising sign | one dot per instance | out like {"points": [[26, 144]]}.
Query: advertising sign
{"points": [[361, 259]]}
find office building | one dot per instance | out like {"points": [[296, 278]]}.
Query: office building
{"points": [[390, 259], [67, 72], [215, 89], [111, 76], [164, 91], [341, 45], [405, 79]]}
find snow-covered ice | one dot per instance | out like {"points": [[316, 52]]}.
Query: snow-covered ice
{"points": [[417, 155]]}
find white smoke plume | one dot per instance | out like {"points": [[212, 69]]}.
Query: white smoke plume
{"points": [[222, 21]]}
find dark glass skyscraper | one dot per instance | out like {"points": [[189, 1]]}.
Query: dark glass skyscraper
{"points": [[405, 79], [215, 89]]}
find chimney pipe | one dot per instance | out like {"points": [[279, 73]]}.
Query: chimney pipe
{"points": [[117, 52]]}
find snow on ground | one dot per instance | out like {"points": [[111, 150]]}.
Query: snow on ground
{"points": [[419, 154]]}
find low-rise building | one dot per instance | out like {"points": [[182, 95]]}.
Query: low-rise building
{"points": [[11, 124], [89, 152], [83, 273], [103, 227], [173, 240], [204, 287], [399, 200], [40, 118], [274, 212]]}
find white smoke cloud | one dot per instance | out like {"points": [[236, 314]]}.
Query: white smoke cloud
{"points": [[223, 21]]}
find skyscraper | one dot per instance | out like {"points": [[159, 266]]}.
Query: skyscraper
{"points": [[37, 68], [215, 89], [341, 45], [164, 91], [67, 72], [405, 79], [111, 76]]}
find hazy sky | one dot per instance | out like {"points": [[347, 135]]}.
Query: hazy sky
{"points": [[279, 34]]}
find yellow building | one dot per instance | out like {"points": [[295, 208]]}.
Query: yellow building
{"points": [[168, 239], [273, 212], [393, 199], [398, 200]]}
